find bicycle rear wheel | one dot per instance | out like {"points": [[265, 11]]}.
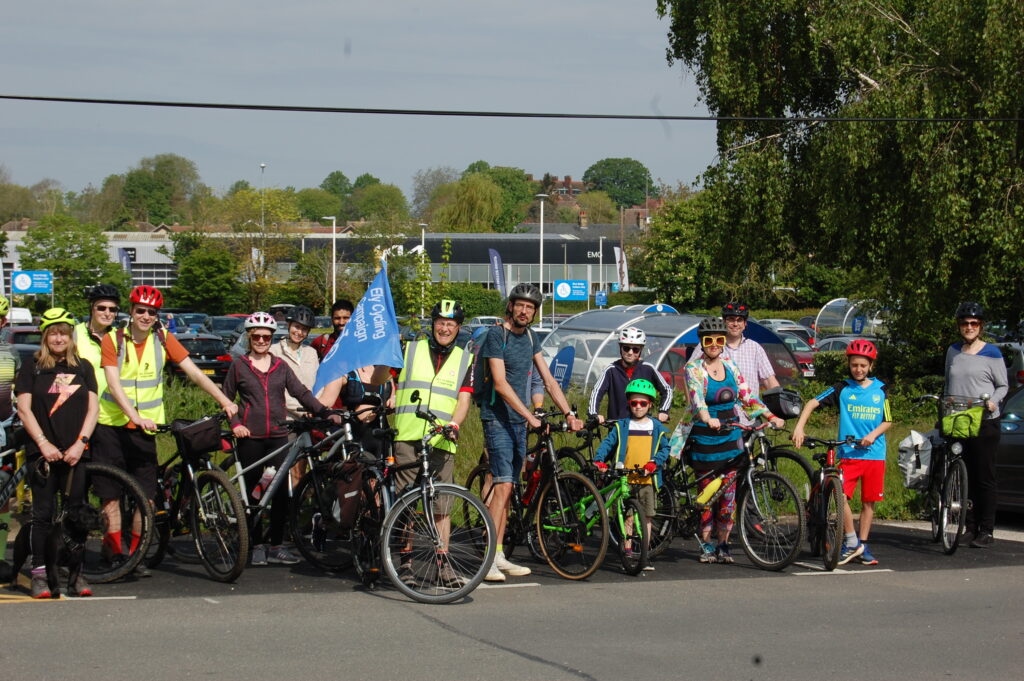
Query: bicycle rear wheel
{"points": [[663, 524], [954, 506], [634, 541], [771, 521], [571, 460], [572, 525], [436, 541], [794, 467], [315, 528], [219, 526], [831, 518], [136, 514]]}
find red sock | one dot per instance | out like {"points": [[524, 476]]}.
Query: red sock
{"points": [[112, 540], [135, 543]]}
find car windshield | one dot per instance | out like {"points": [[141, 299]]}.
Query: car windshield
{"points": [[192, 318], [795, 344], [26, 338], [225, 323], [204, 346]]}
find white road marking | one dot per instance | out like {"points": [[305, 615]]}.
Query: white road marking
{"points": [[99, 598], [508, 586], [840, 571], [210, 600]]}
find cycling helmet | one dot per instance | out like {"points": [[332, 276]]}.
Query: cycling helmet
{"points": [[632, 336], [300, 314], [261, 320], [147, 295], [448, 309], [104, 292], [862, 348], [56, 315], [711, 326], [735, 310], [641, 386], [526, 292], [970, 309], [5, 306]]}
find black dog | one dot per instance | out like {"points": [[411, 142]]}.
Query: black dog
{"points": [[65, 545]]}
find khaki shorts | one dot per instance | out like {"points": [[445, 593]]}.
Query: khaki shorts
{"points": [[442, 465], [646, 495]]}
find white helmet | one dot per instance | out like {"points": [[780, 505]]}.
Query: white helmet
{"points": [[261, 320], [632, 336]]}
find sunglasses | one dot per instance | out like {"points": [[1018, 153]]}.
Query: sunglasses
{"points": [[710, 341], [972, 323], [632, 348], [260, 337], [639, 403], [144, 312], [107, 308]]}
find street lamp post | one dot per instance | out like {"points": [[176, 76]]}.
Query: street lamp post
{"points": [[263, 166], [423, 257], [334, 255], [542, 197]]}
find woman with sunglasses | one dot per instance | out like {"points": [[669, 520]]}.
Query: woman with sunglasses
{"points": [[716, 390], [261, 380], [975, 368]]}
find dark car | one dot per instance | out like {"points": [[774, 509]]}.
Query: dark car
{"points": [[228, 328], [24, 340], [803, 352], [193, 322], [1010, 453], [208, 352]]}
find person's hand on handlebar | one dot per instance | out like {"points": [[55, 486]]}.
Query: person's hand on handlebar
{"points": [[451, 432], [650, 467], [713, 423], [533, 422], [575, 422], [776, 423], [240, 431]]}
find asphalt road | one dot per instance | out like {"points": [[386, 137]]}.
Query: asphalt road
{"points": [[917, 615]]}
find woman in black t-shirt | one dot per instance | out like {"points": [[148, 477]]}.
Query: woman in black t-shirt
{"points": [[57, 404]]}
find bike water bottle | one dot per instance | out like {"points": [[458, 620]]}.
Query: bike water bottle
{"points": [[264, 483], [710, 490]]}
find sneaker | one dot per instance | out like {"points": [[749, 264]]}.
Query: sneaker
{"points": [[446, 576], [279, 555], [80, 588], [142, 571], [848, 553], [508, 567], [40, 587], [406, 574], [494, 574], [982, 540], [723, 555], [866, 557], [648, 568], [259, 554], [708, 552]]}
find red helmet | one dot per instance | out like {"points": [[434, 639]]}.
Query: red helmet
{"points": [[147, 295], [863, 348]]}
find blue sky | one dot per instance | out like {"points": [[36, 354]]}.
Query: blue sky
{"points": [[595, 56]]}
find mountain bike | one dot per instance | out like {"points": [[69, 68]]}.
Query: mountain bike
{"points": [[627, 521], [826, 505]]}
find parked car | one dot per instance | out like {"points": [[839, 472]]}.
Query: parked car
{"points": [[1013, 355], [789, 326], [839, 343], [1010, 453], [803, 352], [323, 322], [208, 352], [227, 327], [23, 339], [193, 322], [483, 320]]}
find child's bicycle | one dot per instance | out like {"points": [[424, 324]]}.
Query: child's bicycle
{"points": [[626, 519], [825, 506]]}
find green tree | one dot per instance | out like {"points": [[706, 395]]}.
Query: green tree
{"points": [[76, 254], [376, 201], [471, 205], [365, 180], [675, 259], [237, 186], [17, 202], [625, 180], [425, 182], [314, 204], [476, 167], [336, 183], [207, 278], [599, 206], [516, 195]]}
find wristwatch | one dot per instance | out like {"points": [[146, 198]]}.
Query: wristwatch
{"points": [[84, 439]]}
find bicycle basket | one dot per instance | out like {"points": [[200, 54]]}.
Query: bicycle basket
{"points": [[197, 437], [915, 459], [782, 402], [959, 421]]}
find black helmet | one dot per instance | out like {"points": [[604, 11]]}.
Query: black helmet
{"points": [[711, 326], [104, 292], [526, 292], [300, 314], [735, 310], [970, 309], [448, 309]]}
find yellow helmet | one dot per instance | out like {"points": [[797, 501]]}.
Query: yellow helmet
{"points": [[5, 306], [56, 315]]}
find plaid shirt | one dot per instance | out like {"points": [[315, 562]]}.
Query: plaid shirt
{"points": [[753, 363]]}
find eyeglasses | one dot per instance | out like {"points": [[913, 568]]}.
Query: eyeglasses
{"points": [[260, 337], [970, 322], [639, 403], [144, 312], [632, 348], [709, 341], [107, 308]]}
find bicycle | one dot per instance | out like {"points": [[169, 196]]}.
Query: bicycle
{"points": [[626, 518], [826, 505], [770, 513], [547, 513], [96, 566]]}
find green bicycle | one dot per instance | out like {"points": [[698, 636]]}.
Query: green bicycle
{"points": [[627, 522]]}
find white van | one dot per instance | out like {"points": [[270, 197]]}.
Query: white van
{"points": [[19, 315]]}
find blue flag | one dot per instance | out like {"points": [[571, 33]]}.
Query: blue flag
{"points": [[497, 271], [370, 337]]}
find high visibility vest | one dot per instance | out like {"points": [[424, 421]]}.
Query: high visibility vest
{"points": [[88, 349], [142, 381], [438, 392]]}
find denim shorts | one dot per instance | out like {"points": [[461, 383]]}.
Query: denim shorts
{"points": [[506, 447]]}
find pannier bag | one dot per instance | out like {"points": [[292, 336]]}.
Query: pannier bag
{"points": [[961, 424], [915, 459], [349, 483], [197, 437], [783, 402]]}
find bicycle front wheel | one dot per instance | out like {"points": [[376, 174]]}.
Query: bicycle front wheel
{"points": [[954, 506], [572, 525], [831, 518], [634, 541], [219, 525], [663, 524], [431, 544], [99, 565], [792, 466], [771, 521]]}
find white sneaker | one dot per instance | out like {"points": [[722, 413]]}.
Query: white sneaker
{"points": [[508, 567], [494, 574]]}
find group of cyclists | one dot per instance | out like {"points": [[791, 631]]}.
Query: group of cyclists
{"points": [[96, 389]]}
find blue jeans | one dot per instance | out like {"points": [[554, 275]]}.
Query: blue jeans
{"points": [[506, 447]]}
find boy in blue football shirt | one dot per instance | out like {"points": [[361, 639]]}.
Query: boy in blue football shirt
{"points": [[863, 405]]}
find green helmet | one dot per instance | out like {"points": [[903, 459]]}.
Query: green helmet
{"points": [[56, 315], [641, 386]]}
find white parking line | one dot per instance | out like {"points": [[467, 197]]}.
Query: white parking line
{"points": [[211, 600], [838, 571], [508, 586], [99, 598]]}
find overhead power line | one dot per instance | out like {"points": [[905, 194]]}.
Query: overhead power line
{"points": [[501, 114]]}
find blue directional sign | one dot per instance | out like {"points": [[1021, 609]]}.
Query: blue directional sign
{"points": [[32, 281], [601, 298], [561, 366], [661, 307], [572, 289], [857, 325]]}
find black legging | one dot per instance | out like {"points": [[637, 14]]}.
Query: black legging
{"points": [[44, 492], [249, 451], [980, 457]]}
